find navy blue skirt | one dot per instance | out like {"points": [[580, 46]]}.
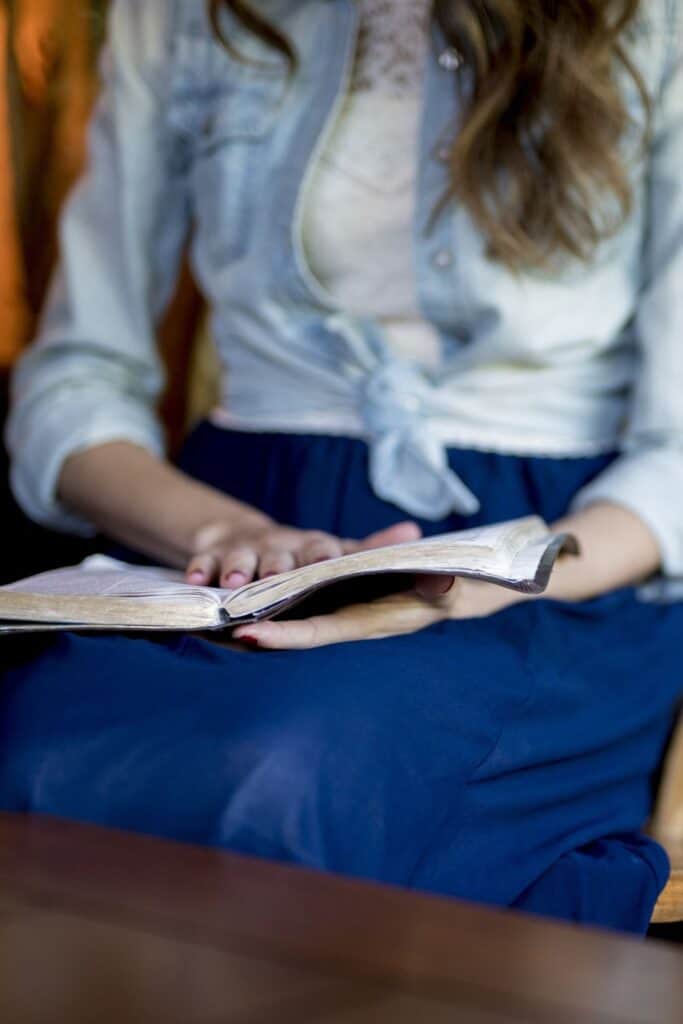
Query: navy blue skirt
{"points": [[507, 760]]}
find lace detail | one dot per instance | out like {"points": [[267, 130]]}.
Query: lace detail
{"points": [[366, 262], [391, 45]]}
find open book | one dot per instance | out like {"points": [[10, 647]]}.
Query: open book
{"points": [[106, 594]]}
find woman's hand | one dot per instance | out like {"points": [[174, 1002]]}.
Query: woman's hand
{"points": [[151, 506], [231, 556], [435, 599], [617, 550]]}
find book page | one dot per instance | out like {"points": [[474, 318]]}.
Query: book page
{"points": [[100, 576], [104, 591]]}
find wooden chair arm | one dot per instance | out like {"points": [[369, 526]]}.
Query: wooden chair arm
{"points": [[667, 828], [667, 823]]}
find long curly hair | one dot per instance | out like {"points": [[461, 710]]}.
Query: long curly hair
{"points": [[538, 160]]}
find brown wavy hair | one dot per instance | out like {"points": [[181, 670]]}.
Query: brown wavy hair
{"points": [[538, 160]]}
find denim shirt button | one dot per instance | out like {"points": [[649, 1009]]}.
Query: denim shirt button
{"points": [[393, 398], [443, 259], [410, 403], [451, 59]]}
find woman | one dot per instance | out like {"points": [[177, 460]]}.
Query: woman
{"points": [[443, 249]]}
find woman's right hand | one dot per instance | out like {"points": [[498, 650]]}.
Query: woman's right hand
{"points": [[151, 506], [230, 556]]}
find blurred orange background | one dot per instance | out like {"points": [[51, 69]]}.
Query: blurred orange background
{"points": [[48, 50]]}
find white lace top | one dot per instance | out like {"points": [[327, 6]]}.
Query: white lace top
{"points": [[359, 210]]}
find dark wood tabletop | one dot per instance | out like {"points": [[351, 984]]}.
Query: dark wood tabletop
{"points": [[103, 926]]}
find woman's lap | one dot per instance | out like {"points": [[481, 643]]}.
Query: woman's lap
{"points": [[345, 758], [468, 760], [486, 759]]}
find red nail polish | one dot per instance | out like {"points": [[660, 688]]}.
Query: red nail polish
{"points": [[250, 641]]}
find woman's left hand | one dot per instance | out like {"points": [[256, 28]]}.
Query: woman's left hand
{"points": [[617, 550], [435, 599]]}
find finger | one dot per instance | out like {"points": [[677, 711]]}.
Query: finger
{"points": [[302, 635], [274, 561], [392, 616], [203, 570], [238, 566], [431, 588], [401, 533], [319, 549]]}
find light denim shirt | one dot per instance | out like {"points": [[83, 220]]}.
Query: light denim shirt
{"points": [[187, 138]]}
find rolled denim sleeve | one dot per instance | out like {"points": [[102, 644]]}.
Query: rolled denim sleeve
{"points": [[93, 374], [648, 476]]}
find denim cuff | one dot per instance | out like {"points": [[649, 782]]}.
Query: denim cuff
{"points": [[40, 455], [649, 482]]}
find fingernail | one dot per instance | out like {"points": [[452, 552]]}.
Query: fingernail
{"points": [[432, 590], [249, 639], [235, 580], [197, 576]]}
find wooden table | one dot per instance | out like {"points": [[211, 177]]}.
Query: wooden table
{"points": [[107, 927]]}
